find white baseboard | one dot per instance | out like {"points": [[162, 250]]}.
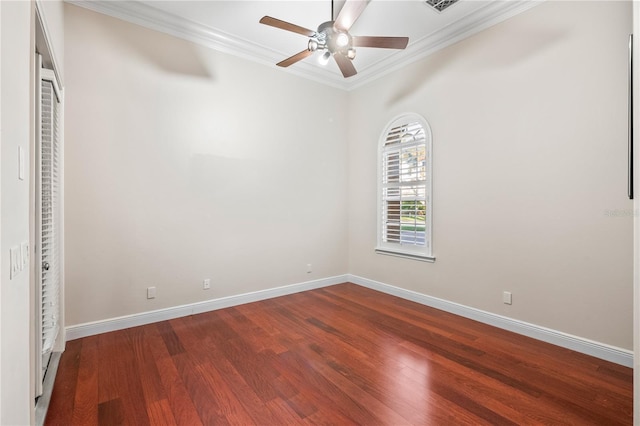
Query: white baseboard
{"points": [[578, 344], [558, 338], [97, 327]]}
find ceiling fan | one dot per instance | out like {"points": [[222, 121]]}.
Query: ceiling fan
{"points": [[334, 39]]}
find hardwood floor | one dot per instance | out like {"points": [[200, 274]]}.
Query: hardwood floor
{"points": [[338, 355]]}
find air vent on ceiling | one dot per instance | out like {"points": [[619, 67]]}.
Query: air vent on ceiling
{"points": [[440, 5]]}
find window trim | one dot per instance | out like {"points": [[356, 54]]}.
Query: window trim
{"points": [[421, 253]]}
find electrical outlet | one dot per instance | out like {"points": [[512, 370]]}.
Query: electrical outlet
{"points": [[506, 297], [309, 268], [206, 284], [151, 292]]}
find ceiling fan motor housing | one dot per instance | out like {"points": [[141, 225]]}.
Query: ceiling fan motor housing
{"points": [[328, 37]]}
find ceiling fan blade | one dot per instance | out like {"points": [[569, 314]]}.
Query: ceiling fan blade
{"points": [[295, 58], [345, 65], [350, 13], [284, 25], [383, 42]]}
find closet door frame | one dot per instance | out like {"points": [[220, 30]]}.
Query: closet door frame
{"points": [[47, 188], [44, 55]]}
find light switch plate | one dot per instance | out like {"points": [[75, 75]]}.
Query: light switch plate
{"points": [[21, 163]]}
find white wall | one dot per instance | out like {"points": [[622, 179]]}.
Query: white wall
{"points": [[529, 131], [15, 122], [183, 163]]}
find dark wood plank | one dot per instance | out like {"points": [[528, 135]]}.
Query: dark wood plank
{"points": [[85, 399], [160, 413], [170, 338], [128, 378], [60, 406], [337, 355], [200, 393], [229, 404], [111, 412], [108, 387], [142, 340], [317, 387], [178, 399]]}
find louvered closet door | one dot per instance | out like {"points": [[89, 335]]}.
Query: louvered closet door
{"points": [[49, 222]]}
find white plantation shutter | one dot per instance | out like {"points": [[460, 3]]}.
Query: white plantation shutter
{"points": [[404, 194], [50, 158]]}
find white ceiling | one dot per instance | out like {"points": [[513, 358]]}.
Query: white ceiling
{"points": [[233, 27]]}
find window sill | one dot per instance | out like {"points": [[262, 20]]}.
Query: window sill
{"points": [[413, 256]]}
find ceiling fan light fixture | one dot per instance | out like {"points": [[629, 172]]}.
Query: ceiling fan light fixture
{"points": [[342, 39], [324, 59], [351, 53], [313, 45]]}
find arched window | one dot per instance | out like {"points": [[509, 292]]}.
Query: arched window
{"points": [[404, 189]]}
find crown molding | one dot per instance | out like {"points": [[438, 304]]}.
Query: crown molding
{"points": [[488, 16], [147, 16]]}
